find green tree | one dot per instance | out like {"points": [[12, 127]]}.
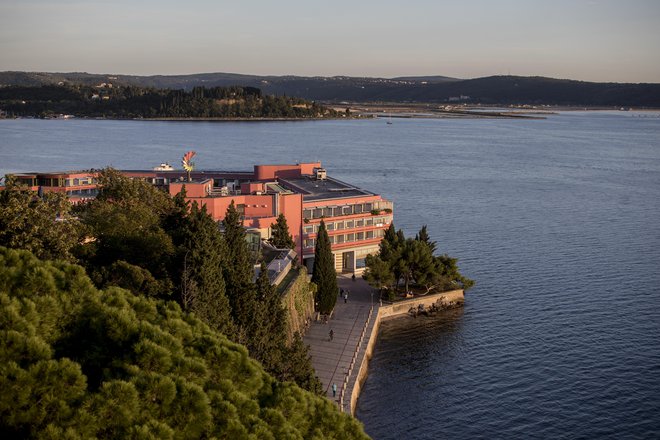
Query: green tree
{"points": [[39, 223], [125, 223], [280, 236], [76, 362], [202, 256], [238, 273], [424, 237], [378, 274], [323, 273]]}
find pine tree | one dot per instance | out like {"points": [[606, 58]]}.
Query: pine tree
{"points": [[280, 236], [424, 237], [324, 274]]}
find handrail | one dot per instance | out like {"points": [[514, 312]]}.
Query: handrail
{"points": [[353, 361]]}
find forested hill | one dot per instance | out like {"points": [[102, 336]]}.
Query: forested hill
{"points": [[116, 101], [487, 90]]}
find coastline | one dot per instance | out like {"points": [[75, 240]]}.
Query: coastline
{"points": [[343, 360]]}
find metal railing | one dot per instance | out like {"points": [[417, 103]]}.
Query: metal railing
{"points": [[354, 359]]}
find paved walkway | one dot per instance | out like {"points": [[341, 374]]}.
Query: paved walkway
{"points": [[332, 359]]}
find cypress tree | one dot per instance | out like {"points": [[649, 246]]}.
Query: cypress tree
{"points": [[268, 338], [280, 236], [202, 283], [324, 274], [238, 276]]}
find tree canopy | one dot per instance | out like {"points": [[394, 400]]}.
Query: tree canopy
{"points": [[78, 362], [280, 236], [412, 262]]}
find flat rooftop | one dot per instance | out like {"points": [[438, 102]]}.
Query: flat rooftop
{"points": [[329, 188]]}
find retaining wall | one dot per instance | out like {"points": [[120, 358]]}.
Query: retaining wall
{"points": [[389, 311]]}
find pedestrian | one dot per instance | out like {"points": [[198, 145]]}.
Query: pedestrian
{"points": [[341, 292], [334, 389], [353, 277], [345, 297], [332, 334]]}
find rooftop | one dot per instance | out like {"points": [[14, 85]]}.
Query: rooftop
{"points": [[329, 188]]}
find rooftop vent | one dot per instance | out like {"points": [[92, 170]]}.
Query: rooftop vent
{"points": [[320, 174]]}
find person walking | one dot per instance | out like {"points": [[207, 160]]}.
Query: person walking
{"points": [[334, 390], [345, 296], [332, 334]]}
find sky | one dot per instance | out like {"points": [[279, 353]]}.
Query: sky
{"points": [[591, 40]]}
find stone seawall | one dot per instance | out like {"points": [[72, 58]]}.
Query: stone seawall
{"points": [[390, 311]]}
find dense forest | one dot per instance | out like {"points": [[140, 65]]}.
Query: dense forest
{"points": [[107, 101], [494, 90], [123, 318]]}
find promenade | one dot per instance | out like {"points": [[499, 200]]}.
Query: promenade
{"points": [[350, 323]]}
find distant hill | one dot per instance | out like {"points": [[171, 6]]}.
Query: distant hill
{"points": [[433, 89]]}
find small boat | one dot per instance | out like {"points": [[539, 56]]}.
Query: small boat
{"points": [[164, 167]]}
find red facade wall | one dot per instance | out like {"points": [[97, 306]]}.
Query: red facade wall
{"points": [[270, 172]]}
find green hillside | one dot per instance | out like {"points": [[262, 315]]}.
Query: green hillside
{"points": [[78, 362]]}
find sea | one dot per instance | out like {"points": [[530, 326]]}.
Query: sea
{"points": [[557, 220]]}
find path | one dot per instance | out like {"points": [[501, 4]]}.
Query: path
{"points": [[332, 359]]}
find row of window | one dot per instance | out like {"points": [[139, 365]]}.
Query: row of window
{"points": [[336, 211], [349, 224], [66, 182], [347, 238]]}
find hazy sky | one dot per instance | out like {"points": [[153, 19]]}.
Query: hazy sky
{"points": [[595, 40]]}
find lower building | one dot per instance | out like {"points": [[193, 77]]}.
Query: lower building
{"points": [[356, 219]]}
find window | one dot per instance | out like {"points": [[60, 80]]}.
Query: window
{"points": [[350, 237], [318, 212], [347, 210], [370, 235], [340, 238], [360, 263], [339, 225], [369, 222], [359, 223], [330, 226], [336, 211], [309, 242], [350, 224], [358, 208], [360, 236], [368, 207], [307, 213], [332, 239], [309, 229]]}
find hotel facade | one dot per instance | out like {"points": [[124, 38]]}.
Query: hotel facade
{"points": [[356, 219]]}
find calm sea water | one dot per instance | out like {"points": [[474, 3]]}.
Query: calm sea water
{"points": [[558, 220]]}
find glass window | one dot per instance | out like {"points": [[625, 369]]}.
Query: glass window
{"points": [[347, 210], [369, 222], [350, 237], [307, 213], [332, 239], [318, 212], [340, 238], [368, 207], [339, 225], [350, 224], [360, 235], [330, 226], [370, 234], [359, 223], [309, 229], [358, 208], [360, 263]]}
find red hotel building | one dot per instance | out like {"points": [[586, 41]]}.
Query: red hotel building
{"points": [[356, 219]]}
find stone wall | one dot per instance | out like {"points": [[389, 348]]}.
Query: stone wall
{"points": [[298, 300]]}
